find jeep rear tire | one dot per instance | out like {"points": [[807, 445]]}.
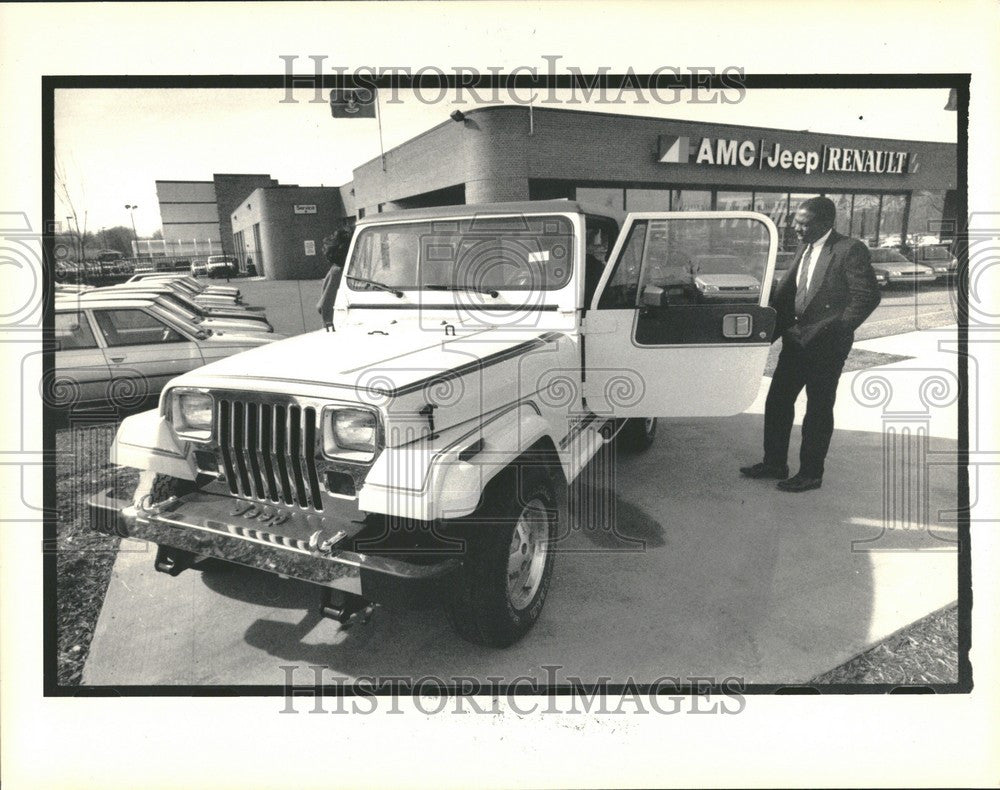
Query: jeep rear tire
{"points": [[638, 434], [498, 593]]}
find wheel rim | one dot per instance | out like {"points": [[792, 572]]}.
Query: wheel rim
{"points": [[527, 554]]}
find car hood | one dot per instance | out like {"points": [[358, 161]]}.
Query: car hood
{"points": [[727, 280], [392, 359], [903, 266]]}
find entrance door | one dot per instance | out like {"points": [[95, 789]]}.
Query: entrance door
{"points": [[680, 325]]}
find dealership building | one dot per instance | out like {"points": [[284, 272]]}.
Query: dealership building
{"points": [[885, 190]]}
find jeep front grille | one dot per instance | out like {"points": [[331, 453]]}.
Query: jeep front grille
{"points": [[269, 451]]}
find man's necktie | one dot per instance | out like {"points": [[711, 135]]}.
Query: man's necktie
{"points": [[802, 284]]}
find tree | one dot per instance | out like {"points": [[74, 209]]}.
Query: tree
{"points": [[118, 238], [66, 194]]}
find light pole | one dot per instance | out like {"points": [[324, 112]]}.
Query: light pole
{"points": [[131, 211]]}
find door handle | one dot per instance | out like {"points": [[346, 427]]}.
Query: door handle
{"points": [[117, 359], [737, 325]]}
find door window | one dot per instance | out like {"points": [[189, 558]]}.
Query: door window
{"points": [[73, 331], [699, 261], [135, 328]]}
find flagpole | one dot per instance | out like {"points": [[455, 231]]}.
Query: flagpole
{"points": [[378, 116]]}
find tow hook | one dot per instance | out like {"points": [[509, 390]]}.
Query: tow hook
{"points": [[173, 561], [346, 608]]}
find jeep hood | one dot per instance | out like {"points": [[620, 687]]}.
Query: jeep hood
{"points": [[392, 359]]}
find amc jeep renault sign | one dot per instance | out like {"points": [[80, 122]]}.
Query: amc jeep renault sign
{"points": [[759, 154]]}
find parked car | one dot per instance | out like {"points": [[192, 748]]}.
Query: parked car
{"points": [[199, 269], [122, 351], [206, 298], [892, 268], [198, 306], [416, 455], [190, 284], [172, 304], [221, 266], [720, 278], [938, 258]]}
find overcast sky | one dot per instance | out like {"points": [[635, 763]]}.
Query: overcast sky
{"points": [[114, 144]]}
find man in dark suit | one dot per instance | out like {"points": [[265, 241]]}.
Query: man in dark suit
{"points": [[828, 293]]}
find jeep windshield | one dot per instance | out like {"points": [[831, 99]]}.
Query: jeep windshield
{"points": [[514, 253]]}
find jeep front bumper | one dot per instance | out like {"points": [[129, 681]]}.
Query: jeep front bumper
{"points": [[295, 544]]}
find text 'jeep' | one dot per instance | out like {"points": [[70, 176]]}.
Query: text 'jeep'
{"points": [[482, 355]]}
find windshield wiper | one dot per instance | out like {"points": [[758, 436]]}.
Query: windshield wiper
{"points": [[482, 290], [381, 286]]}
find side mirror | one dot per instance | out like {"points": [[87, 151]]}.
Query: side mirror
{"points": [[652, 296]]}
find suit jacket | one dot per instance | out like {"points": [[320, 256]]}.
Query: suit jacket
{"points": [[845, 293]]}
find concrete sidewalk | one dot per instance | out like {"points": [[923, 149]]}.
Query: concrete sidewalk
{"points": [[701, 573]]}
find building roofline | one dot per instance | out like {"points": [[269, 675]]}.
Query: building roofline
{"points": [[629, 116]]}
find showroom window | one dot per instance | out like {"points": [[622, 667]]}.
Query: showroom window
{"points": [[843, 204], [691, 200], [926, 214], [890, 225], [734, 201], [600, 196], [774, 204], [864, 220], [647, 200]]}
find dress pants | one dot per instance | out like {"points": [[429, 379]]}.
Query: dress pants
{"points": [[816, 367]]}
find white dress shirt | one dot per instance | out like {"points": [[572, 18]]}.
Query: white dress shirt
{"points": [[807, 267]]}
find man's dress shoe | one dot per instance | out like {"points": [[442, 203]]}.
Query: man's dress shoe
{"points": [[799, 483], [764, 471]]}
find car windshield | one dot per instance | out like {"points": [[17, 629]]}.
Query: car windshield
{"points": [[174, 306], [519, 253], [888, 256], [934, 254]]}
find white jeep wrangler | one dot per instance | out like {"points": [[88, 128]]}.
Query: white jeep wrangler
{"points": [[419, 453]]}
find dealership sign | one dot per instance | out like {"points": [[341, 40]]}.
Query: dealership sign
{"points": [[761, 155]]}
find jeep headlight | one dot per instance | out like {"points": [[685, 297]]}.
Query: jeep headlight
{"points": [[350, 434], [191, 414]]}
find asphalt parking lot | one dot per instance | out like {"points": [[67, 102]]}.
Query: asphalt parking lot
{"points": [[702, 572]]}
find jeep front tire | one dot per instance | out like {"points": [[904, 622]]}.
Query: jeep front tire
{"points": [[498, 593]]}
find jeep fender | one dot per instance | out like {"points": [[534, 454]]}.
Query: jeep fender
{"points": [[145, 441], [418, 482]]}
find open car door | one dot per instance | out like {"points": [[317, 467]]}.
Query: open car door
{"points": [[679, 324]]}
